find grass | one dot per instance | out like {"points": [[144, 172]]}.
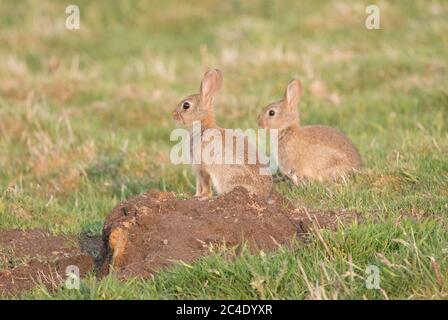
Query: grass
{"points": [[85, 118]]}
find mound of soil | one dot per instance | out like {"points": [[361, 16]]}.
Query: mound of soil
{"points": [[148, 232], [31, 257]]}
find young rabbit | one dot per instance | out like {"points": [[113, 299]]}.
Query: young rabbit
{"points": [[312, 152], [224, 177]]}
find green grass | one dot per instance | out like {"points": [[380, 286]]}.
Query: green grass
{"points": [[77, 139]]}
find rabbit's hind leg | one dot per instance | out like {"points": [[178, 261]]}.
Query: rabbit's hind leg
{"points": [[339, 173], [203, 185]]}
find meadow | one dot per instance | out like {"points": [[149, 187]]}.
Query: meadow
{"points": [[85, 121]]}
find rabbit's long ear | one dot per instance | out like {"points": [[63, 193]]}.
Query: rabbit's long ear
{"points": [[293, 94], [211, 83]]}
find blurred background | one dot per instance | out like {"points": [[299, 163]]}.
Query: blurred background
{"points": [[85, 114]]}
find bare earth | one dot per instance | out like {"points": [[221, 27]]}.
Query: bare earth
{"points": [[150, 231]]}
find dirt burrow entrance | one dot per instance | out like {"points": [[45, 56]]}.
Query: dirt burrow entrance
{"points": [[30, 257], [146, 233]]}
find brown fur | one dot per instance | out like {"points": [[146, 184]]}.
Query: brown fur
{"points": [[312, 152], [224, 177]]}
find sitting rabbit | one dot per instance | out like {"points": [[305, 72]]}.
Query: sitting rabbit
{"points": [[312, 152], [223, 176]]}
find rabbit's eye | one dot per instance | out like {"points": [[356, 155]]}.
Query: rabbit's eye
{"points": [[272, 113], [186, 105]]}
